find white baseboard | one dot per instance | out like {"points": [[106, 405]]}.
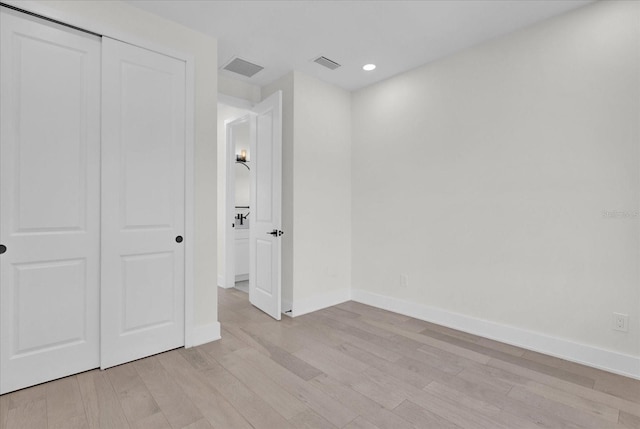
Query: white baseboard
{"points": [[286, 308], [206, 333], [580, 353], [317, 302]]}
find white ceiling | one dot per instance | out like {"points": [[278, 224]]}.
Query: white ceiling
{"points": [[396, 35]]}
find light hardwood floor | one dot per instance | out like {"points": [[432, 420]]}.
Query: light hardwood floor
{"points": [[350, 366]]}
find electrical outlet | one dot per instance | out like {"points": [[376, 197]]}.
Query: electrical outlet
{"points": [[404, 280], [621, 322]]}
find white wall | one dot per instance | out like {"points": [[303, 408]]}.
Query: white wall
{"points": [[484, 177], [151, 28], [238, 89], [241, 137], [321, 193], [316, 247]]}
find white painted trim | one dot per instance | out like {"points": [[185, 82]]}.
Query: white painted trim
{"points": [[221, 281], [82, 22], [125, 37], [317, 302], [286, 307], [189, 209], [565, 349], [206, 333]]}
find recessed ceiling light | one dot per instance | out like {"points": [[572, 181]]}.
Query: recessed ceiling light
{"points": [[368, 67]]}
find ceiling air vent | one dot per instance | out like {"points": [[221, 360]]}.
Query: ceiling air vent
{"points": [[240, 66], [324, 61]]}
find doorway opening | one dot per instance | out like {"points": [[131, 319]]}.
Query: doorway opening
{"points": [[250, 140], [234, 218]]}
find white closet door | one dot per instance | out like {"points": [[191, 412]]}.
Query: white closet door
{"points": [[49, 198], [143, 202]]}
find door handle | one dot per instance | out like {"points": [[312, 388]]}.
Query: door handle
{"points": [[179, 239], [276, 233], [3, 249]]}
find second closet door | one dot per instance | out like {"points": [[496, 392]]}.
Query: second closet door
{"points": [[143, 203], [49, 201]]}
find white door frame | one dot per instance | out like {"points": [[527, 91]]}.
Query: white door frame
{"points": [[97, 27], [229, 201]]}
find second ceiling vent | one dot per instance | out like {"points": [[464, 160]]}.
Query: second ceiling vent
{"points": [[242, 67], [326, 62]]}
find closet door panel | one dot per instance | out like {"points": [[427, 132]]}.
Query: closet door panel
{"points": [[49, 198], [143, 168]]}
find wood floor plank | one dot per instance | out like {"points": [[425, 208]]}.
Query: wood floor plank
{"points": [[378, 389], [4, 410], [24, 396], [271, 392], [288, 360], [227, 344], [588, 406], [309, 419], [585, 392], [508, 357], [279, 335], [453, 411], [153, 421], [200, 424], [360, 403], [407, 374], [248, 339], [330, 361], [629, 421], [136, 400], [567, 413], [64, 405], [340, 326], [253, 408], [32, 414], [482, 406], [434, 342], [617, 385], [101, 404], [501, 381], [387, 353], [422, 418], [332, 410], [199, 359], [211, 403], [169, 396], [361, 423]]}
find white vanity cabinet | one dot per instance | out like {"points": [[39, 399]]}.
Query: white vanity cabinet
{"points": [[242, 254]]}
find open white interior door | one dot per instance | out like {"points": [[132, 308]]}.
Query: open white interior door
{"points": [[265, 287]]}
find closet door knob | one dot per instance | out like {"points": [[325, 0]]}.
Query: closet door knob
{"points": [[179, 239], [3, 249]]}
